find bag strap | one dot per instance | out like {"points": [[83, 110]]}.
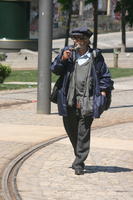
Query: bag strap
{"points": [[86, 79]]}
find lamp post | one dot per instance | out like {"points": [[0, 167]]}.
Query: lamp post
{"points": [[44, 56]]}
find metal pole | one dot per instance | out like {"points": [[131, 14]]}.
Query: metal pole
{"points": [[116, 54], [115, 60], [44, 56]]}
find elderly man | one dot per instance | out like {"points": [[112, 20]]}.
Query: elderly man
{"points": [[84, 93]]}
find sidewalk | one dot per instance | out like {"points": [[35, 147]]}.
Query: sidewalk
{"points": [[46, 175], [108, 172], [17, 61], [26, 59]]}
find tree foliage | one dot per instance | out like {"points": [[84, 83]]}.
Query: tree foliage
{"points": [[65, 4], [128, 5], [95, 15], [90, 1]]}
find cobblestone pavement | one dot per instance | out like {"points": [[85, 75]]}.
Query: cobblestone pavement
{"points": [[108, 173], [109, 161]]}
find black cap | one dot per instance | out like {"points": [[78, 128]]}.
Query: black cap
{"points": [[82, 31]]}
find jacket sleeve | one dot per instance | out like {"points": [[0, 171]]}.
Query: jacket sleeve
{"points": [[104, 76], [59, 67]]}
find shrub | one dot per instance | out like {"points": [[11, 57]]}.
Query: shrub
{"points": [[3, 56], [4, 72]]}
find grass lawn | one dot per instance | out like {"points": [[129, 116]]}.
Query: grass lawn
{"points": [[121, 72], [115, 73], [15, 86], [22, 75], [31, 76]]}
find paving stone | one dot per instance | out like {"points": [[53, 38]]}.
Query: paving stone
{"points": [[106, 174], [48, 174]]}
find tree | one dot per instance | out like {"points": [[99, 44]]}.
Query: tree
{"points": [[95, 15], [125, 7], [67, 5], [129, 11]]}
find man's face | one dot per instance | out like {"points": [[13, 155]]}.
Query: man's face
{"points": [[81, 42]]}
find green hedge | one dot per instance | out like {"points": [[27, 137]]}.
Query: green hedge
{"points": [[4, 72]]}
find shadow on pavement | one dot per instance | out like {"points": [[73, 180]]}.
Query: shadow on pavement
{"points": [[108, 169], [111, 50], [54, 113], [104, 50], [123, 106]]}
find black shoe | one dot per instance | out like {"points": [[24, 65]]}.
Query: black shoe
{"points": [[82, 165], [73, 167], [79, 171]]}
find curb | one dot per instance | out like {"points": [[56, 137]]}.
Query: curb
{"points": [[5, 105]]}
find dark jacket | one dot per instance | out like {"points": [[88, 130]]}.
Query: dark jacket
{"points": [[100, 75]]}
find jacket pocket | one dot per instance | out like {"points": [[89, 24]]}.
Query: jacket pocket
{"points": [[62, 103], [99, 105]]}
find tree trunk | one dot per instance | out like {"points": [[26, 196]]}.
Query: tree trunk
{"points": [[81, 6], [95, 15], [123, 29], [68, 23], [108, 7]]}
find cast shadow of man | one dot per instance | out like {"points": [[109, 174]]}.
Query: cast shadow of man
{"points": [[108, 169]]}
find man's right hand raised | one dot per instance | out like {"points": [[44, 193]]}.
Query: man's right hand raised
{"points": [[66, 55]]}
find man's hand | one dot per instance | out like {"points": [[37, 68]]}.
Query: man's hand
{"points": [[66, 54]]}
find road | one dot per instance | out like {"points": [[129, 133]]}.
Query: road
{"points": [[105, 41]]}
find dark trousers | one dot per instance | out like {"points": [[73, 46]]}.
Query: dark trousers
{"points": [[78, 130]]}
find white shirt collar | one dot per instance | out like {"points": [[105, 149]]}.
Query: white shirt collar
{"points": [[82, 59]]}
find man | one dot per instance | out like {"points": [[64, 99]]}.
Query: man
{"points": [[85, 91]]}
